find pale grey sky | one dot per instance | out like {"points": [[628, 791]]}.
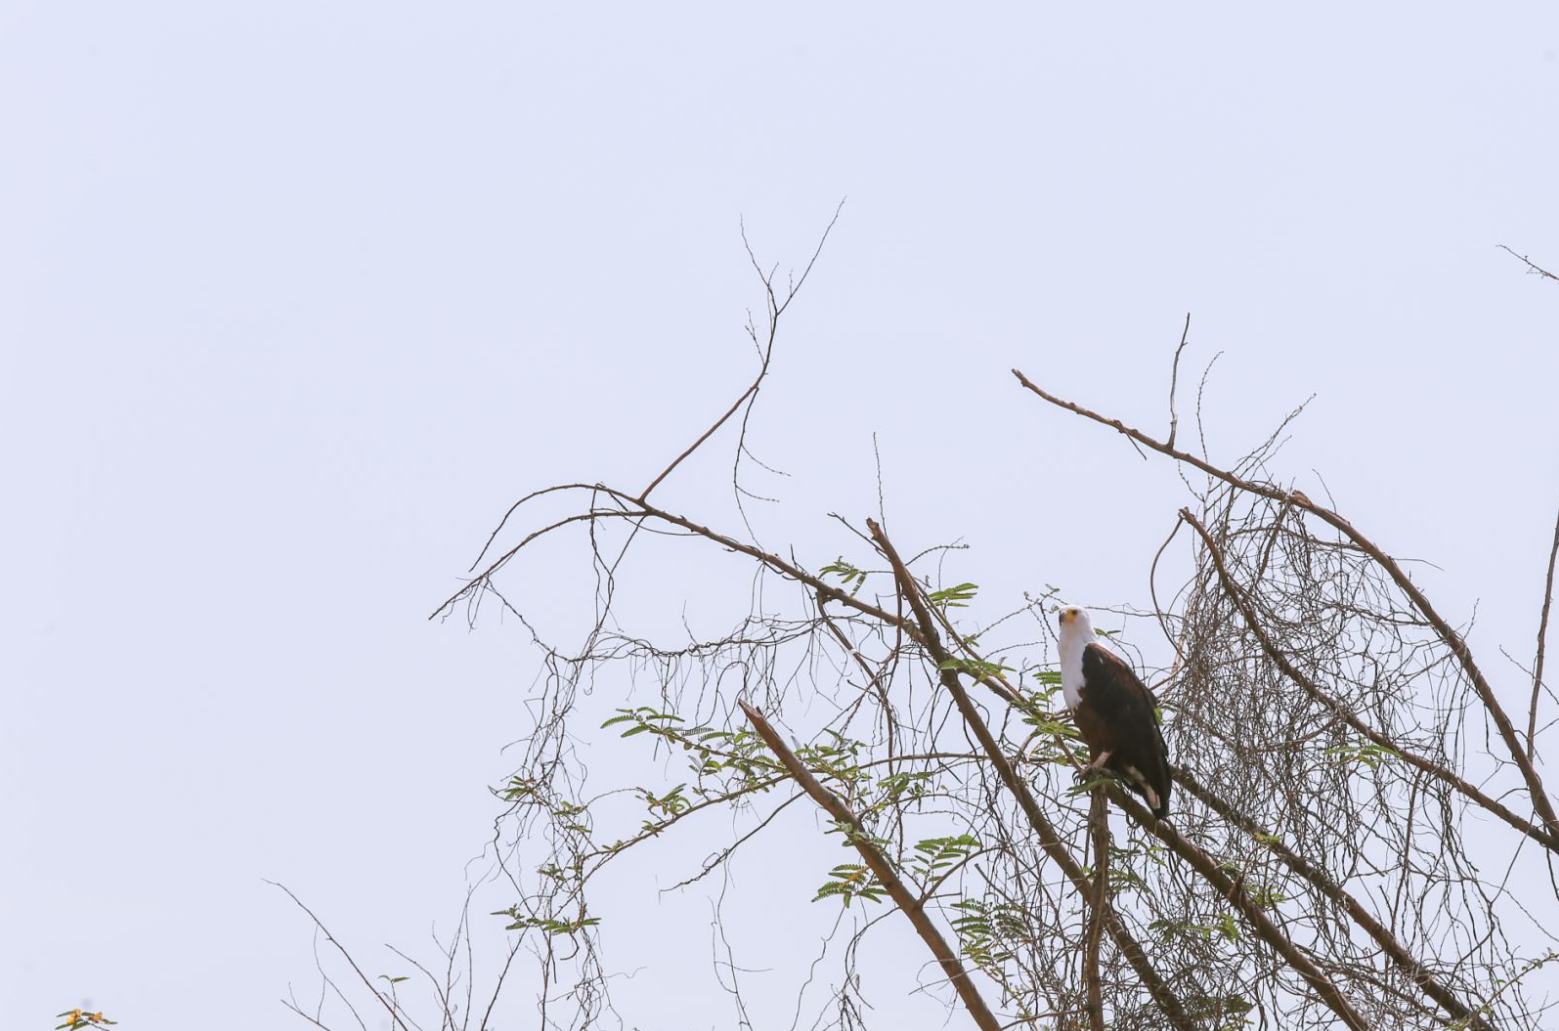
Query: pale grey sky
{"points": [[294, 298]]}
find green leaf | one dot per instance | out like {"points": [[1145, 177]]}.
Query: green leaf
{"points": [[955, 597]]}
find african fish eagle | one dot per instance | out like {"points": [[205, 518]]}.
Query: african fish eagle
{"points": [[1115, 712]]}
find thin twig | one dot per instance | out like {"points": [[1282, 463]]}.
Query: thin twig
{"points": [[776, 309], [1542, 633], [1174, 378]]}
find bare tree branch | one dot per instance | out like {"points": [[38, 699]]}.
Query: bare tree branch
{"points": [[1542, 634], [1174, 380], [1536, 270], [391, 1010], [776, 309]]}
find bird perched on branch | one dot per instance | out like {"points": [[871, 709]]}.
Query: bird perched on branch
{"points": [[1115, 712]]}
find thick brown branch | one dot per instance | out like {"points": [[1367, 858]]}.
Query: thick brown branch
{"points": [[1323, 882], [882, 869], [1314, 690], [1447, 633], [1163, 996]]}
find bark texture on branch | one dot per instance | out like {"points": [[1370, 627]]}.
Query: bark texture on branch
{"points": [[882, 869]]}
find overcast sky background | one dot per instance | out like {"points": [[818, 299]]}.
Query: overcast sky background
{"points": [[296, 297]]}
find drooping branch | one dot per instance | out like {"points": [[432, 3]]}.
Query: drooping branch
{"points": [[633, 508]]}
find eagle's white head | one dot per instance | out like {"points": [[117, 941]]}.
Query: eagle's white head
{"points": [[1076, 634]]}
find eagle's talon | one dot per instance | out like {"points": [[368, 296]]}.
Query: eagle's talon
{"points": [[1093, 768]]}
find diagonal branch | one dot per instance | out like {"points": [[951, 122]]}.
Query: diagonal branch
{"points": [[1448, 634], [1233, 889], [394, 1013], [1532, 267], [882, 869]]}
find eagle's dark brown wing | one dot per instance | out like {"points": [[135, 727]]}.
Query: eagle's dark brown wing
{"points": [[1116, 714]]}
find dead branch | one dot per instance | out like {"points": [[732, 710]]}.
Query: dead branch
{"points": [[1536, 270], [391, 1010], [1542, 635], [776, 308]]}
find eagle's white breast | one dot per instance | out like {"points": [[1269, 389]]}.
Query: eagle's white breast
{"points": [[1076, 635]]}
